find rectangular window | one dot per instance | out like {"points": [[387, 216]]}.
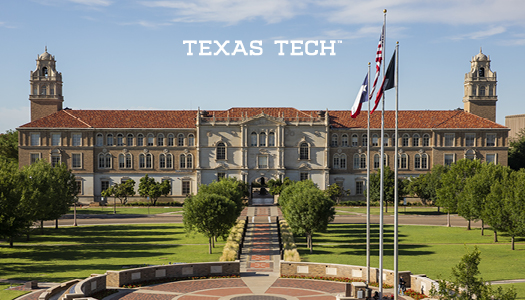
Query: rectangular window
{"points": [[470, 140], [303, 176], [449, 140], [221, 175], [55, 159], [34, 157], [263, 162], [359, 187], [76, 160], [449, 159], [491, 158], [79, 186], [104, 185], [186, 187], [55, 139], [35, 139], [76, 139], [491, 140]]}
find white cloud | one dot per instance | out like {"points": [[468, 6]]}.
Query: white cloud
{"points": [[92, 2], [11, 118], [481, 34]]}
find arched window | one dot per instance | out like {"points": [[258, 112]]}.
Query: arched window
{"points": [[221, 151], [262, 139], [124, 161], [304, 151], [421, 161], [405, 141], [481, 72], [182, 161], [43, 90], [364, 140], [385, 140], [129, 140], [355, 142], [344, 140], [44, 71], [359, 161], [162, 161], [160, 140], [169, 140], [376, 160], [109, 140], [271, 139], [140, 139], [104, 161], [151, 139], [343, 161], [426, 140], [402, 161], [482, 90], [100, 140], [415, 140], [120, 139], [253, 138], [375, 140], [191, 140], [145, 161], [337, 162], [470, 154], [334, 140], [189, 161], [166, 161], [180, 140]]}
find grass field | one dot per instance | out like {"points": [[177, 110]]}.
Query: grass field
{"points": [[76, 252], [139, 210], [10, 294], [374, 210]]}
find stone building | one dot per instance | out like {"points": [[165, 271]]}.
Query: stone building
{"points": [[193, 147]]}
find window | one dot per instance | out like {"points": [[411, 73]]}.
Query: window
{"points": [[182, 161], [180, 140], [415, 140], [104, 161], [344, 140], [481, 72], [55, 139], [262, 139], [160, 140], [402, 161], [355, 142], [124, 161], [76, 139], [405, 140], [359, 187], [376, 161], [421, 161], [343, 161], [99, 140], [385, 140], [303, 176], [79, 186], [166, 161], [35, 139], [191, 140], [271, 139], [109, 140], [491, 158], [491, 140], [43, 90], [221, 151], [426, 140], [337, 162], [482, 90], [470, 139], [304, 151], [129, 140], [34, 157], [145, 161], [253, 139], [364, 140], [76, 160], [120, 139], [449, 159], [104, 185], [55, 159], [449, 140], [375, 140], [359, 161], [470, 154], [189, 161], [333, 143], [140, 139], [262, 162], [151, 139], [186, 187], [170, 140], [221, 175]]}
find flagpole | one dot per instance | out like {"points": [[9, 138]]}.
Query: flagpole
{"points": [[382, 153], [396, 199], [368, 188]]}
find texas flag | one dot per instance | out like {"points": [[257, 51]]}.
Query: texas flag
{"points": [[362, 96]]}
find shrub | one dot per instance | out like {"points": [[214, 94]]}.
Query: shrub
{"points": [[289, 247], [230, 250]]}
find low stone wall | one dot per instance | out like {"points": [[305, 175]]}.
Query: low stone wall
{"points": [[91, 285], [422, 284], [138, 275], [57, 289]]}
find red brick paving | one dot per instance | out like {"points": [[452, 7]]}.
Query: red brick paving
{"points": [[318, 285], [226, 292], [291, 292], [196, 297], [141, 296], [260, 257], [197, 285], [261, 265], [31, 296], [325, 297]]}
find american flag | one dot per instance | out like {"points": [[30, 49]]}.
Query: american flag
{"points": [[379, 59]]}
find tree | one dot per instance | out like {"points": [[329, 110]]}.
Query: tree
{"points": [[210, 214], [452, 184], [517, 151], [307, 209], [467, 283], [388, 186], [425, 186], [148, 187], [230, 188], [9, 145], [123, 190], [335, 192], [276, 186]]}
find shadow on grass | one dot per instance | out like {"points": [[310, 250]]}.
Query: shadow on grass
{"points": [[352, 233], [360, 250]]}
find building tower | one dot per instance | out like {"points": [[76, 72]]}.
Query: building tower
{"points": [[46, 87], [480, 88]]}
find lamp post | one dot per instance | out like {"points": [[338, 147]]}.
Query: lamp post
{"points": [[75, 214]]}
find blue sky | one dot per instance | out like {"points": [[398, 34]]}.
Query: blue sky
{"points": [[116, 54]]}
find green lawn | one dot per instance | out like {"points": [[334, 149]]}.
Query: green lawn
{"points": [[76, 252], [10, 294], [403, 210], [520, 289], [139, 210]]}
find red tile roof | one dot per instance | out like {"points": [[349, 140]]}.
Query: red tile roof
{"points": [[424, 119]]}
